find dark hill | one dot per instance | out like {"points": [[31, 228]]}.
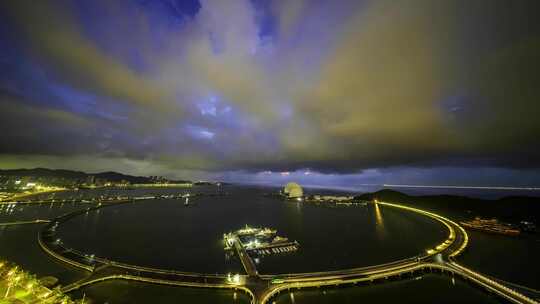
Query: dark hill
{"points": [[385, 194], [513, 208], [116, 177], [43, 172], [69, 174]]}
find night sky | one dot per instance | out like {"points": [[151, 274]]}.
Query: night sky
{"points": [[334, 92]]}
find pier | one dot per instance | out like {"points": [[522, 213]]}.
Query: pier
{"points": [[274, 249], [246, 260]]}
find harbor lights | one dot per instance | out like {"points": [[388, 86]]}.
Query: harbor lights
{"points": [[45, 295], [233, 279], [253, 244], [229, 239], [430, 251], [439, 258], [90, 257]]}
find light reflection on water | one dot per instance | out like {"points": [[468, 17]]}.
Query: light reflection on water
{"points": [[379, 222]]}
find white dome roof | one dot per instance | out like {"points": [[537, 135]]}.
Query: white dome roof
{"points": [[293, 190]]}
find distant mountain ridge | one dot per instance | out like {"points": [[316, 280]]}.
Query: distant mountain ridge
{"points": [[109, 175], [511, 207]]}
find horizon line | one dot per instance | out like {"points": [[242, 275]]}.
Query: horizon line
{"points": [[456, 187]]}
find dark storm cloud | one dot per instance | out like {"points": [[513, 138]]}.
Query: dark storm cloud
{"points": [[339, 86]]}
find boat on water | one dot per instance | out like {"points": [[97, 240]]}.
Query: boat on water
{"points": [[265, 232], [253, 231], [491, 226], [278, 240]]}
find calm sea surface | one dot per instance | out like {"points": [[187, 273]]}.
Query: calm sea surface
{"points": [[166, 234]]}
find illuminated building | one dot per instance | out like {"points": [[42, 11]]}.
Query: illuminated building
{"points": [[293, 190]]}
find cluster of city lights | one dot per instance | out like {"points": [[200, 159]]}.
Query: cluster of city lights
{"points": [[23, 287], [28, 189]]}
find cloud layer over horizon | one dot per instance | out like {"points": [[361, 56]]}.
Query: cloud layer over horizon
{"points": [[210, 87]]}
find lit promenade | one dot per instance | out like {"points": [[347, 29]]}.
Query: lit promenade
{"points": [[42, 190], [24, 222], [264, 288]]}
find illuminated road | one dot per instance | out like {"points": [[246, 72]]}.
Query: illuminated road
{"points": [[263, 288], [246, 260]]}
